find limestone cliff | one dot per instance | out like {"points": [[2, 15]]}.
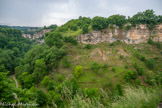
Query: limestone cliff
{"points": [[138, 34], [37, 34]]}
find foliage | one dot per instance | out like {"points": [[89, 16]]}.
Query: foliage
{"points": [[140, 70], [12, 48], [129, 74], [147, 17], [150, 63], [118, 20], [6, 94], [85, 29], [118, 90], [65, 62], [95, 67], [41, 98], [53, 27], [45, 81], [121, 56], [99, 23], [70, 39], [128, 27], [91, 92], [78, 71], [88, 46], [60, 78], [138, 98], [54, 39]]}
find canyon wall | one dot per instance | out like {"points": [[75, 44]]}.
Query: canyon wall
{"points": [[37, 34], [135, 35]]}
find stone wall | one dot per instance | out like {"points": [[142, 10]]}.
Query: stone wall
{"points": [[138, 34]]}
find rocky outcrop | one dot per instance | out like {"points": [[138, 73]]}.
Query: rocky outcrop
{"points": [[135, 35], [37, 34]]}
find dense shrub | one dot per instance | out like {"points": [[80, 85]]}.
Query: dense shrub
{"points": [[95, 67], [141, 57], [88, 46], [78, 71], [118, 90], [54, 39], [129, 75], [121, 56], [140, 70], [41, 98], [128, 27], [60, 78], [85, 29], [70, 39], [150, 63], [45, 81], [91, 92], [99, 23], [65, 62]]}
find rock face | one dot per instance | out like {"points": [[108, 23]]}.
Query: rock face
{"points": [[135, 35], [37, 34]]}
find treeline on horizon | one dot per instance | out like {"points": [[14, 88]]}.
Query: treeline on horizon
{"points": [[147, 17]]}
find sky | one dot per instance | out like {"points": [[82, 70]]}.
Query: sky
{"points": [[46, 12]]}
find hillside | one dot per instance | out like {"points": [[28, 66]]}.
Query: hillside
{"points": [[85, 63]]}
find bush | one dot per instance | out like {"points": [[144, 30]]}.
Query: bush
{"points": [[150, 63], [88, 46], [126, 66], [95, 67], [78, 71], [50, 86], [140, 70], [70, 39], [118, 90], [65, 62], [141, 57], [85, 29], [60, 78], [121, 56], [45, 81], [54, 39], [41, 98], [130, 75], [91, 92], [113, 69], [128, 27]]}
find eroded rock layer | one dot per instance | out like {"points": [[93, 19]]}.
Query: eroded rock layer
{"points": [[135, 35]]}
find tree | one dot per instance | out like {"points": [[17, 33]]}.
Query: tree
{"points": [[78, 71], [45, 81], [54, 39], [70, 39], [6, 90], [85, 28], [28, 81], [41, 98], [99, 23], [40, 69], [118, 20]]}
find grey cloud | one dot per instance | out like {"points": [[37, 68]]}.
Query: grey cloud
{"points": [[46, 12]]}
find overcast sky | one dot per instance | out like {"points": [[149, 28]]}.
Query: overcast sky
{"points": [[47, 12]]}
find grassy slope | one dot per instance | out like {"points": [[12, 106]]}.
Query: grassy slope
{"points": [[105, 54]]}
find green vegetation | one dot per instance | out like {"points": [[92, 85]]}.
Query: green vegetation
{"points": [[66, 74]]}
